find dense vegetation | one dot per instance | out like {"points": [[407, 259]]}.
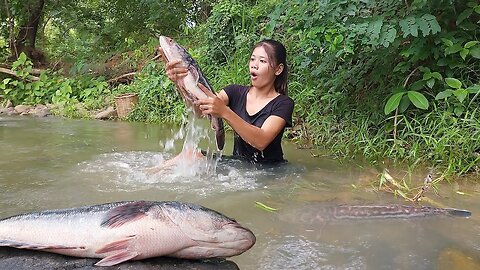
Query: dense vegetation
{"points": [[383, 79]]}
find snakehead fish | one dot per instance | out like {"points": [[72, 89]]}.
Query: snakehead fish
{"points": [[122, 231], [187, 86], [321, 213]]}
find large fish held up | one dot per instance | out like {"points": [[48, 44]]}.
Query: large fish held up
{"points": [[187, 86], [122, 231]]}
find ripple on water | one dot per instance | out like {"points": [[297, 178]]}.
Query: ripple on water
{"points": [[128, 171], [294, 252]]}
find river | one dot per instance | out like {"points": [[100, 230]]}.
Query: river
{"points": [[51, 163]]}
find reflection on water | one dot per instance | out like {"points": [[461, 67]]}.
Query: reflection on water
{"points": [[59, 163]]}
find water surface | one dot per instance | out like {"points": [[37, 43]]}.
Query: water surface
{"points": [[52, 163]]}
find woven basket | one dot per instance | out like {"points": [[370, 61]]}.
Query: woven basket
{"points": [[125, 103]]}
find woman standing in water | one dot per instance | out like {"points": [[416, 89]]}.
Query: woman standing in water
{"points": [[258, 113]]}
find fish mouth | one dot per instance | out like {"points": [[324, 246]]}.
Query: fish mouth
{"points": [[245, 238]]}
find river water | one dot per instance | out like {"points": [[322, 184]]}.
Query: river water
{"points": [[53, 163]]}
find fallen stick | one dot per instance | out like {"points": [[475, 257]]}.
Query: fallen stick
{"points": [[14, 74]]}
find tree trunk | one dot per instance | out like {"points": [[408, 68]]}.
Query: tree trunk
{"points": [[26, 37]]}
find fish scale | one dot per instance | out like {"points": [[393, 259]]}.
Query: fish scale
{"points": [[133, 230]]}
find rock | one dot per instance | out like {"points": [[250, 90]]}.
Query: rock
{"points": [[23, 109], [11, 258], [8, 111], [110, 112], [9, 104], [40, 110]]}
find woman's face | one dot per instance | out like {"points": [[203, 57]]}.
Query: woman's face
{"points": [[261, 71]]}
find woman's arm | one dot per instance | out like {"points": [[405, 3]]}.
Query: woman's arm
{"points": [[257, 137]]}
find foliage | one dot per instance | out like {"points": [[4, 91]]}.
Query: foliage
{"points": [[377, 78], [232, 27], [158, 100], [362, 59], [51, 88]]}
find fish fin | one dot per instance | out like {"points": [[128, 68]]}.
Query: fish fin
{"points": [[34, 246], [117, 258], [116, 245], [125, 213]]}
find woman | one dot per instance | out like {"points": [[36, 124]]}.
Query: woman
{"points": [[258, 113]]}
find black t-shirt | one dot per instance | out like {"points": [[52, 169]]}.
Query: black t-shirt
{"points": [[281, 106]]}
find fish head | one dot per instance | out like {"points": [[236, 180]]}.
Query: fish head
{"points": [[171, 49], [214, 234]]}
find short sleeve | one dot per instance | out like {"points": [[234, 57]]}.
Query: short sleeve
{"points": [[284, 108], [233, 92]]}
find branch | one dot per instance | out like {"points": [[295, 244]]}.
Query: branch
{"points": [[14, 74], [126, 77]]}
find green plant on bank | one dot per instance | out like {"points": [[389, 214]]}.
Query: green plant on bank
{"points": [[158, 100], [64, 93], [356, 61]]}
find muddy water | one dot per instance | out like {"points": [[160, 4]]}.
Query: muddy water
{"points": [[57, 163]]}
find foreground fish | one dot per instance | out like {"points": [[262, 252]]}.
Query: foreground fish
{"points": [[322, 213], [188, 86], [122, 231]]}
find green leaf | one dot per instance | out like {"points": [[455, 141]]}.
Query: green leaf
{"points": [[471, 4], [465, 14], [470, 44], [447, 42], [424, 26], [418, 99], [418, 85], [437, 76], [404, 104], [432, 22], [386, 38], [393, 102], [475, 52], [453, 49], [477, 9], [374, 28], [464, 53], [473, 89], [444, 94], [458, 110], [461, 94], [431, 83], [409, 27], [454, 83], [265, 207]]}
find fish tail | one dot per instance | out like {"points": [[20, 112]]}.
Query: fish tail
{"points": [[220, 134]]}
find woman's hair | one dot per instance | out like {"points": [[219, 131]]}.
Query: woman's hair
{"points": [[278, 55]]}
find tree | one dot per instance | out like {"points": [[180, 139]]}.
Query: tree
{"points": [[24, 18]]}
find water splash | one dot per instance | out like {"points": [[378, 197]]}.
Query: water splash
{"points": [[125, 171]]}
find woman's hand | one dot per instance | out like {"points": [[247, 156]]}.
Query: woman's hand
{"points": [[213, 105], [174, 69]]}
